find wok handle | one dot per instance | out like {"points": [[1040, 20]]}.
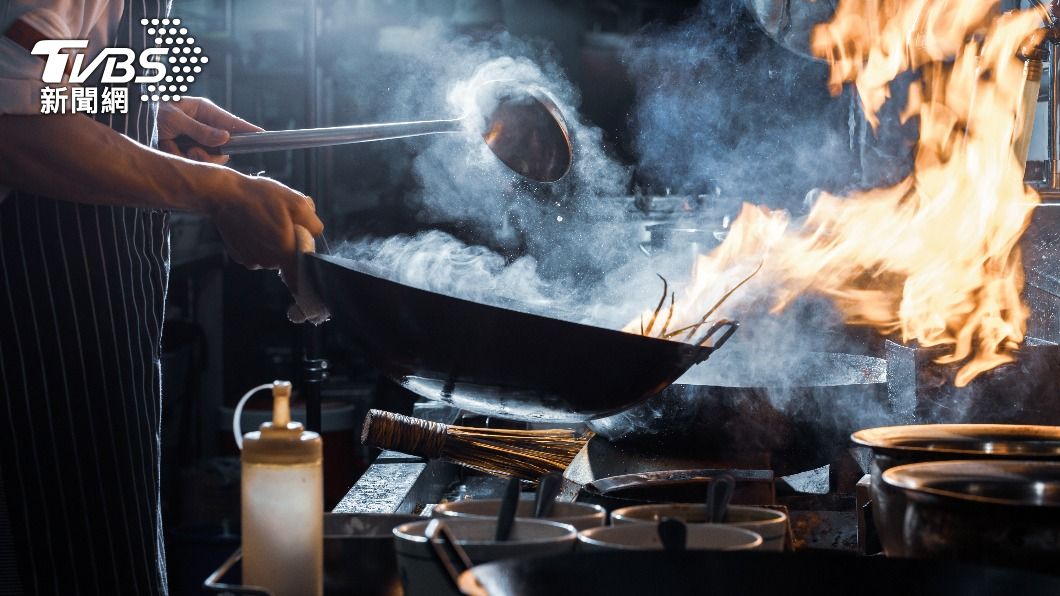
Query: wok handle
{"points": [[306, 138], [447, 551], [730, 328]]}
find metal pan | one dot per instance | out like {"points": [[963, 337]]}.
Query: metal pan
{"points": [[497, 361], [744, 573], [800, 425]]}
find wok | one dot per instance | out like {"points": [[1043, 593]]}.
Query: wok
{"points": [[744, 573], [497, 361], [800, 413]]}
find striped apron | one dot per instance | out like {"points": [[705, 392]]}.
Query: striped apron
{"points": [[82, 291]]}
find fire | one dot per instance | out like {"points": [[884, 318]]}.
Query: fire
{"points": [[934, 258]]}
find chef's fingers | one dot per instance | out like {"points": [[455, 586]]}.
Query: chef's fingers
{"points": [[305, 216], [200, 154], [302, 210], [210, 113], [195, 153], [200, 132], [169, 146]]}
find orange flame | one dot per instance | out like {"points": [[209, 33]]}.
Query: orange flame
{"points": [[934, 258]]}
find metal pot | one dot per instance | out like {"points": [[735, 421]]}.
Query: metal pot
{"points": [[579, 515], [797, 421], [425, 570], [995, 512], [899, 445]]}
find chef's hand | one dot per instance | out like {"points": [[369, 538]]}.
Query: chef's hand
{"points": [[256, 219], [200, 119]]}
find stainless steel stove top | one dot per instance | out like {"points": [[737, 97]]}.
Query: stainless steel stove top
{"points": [[821, 506]]}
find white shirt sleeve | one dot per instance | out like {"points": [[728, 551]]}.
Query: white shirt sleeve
{"points": [[20, 71]]}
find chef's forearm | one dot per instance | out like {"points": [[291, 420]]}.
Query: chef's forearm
{"points": [[81, 160]]}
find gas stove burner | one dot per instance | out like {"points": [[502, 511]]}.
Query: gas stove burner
{"points": [[754, 487]]}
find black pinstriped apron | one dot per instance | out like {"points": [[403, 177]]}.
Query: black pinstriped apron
{"points": [[82, 290]]}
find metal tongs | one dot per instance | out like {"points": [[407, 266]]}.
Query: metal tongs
{"points": [[520, 124]]}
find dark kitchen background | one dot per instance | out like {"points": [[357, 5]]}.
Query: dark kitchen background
{"points": [[310, 63]]}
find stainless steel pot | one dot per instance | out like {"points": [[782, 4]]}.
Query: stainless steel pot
{"points": [[996, 512], [899, 445]]}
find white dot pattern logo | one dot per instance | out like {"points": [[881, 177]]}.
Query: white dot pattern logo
{"points": [[183, 53]]}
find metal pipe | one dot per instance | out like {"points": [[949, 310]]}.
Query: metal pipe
{"points": [[1032, 82], [1052, 174], [312, 114], [1035, 47], [1053, 180]]}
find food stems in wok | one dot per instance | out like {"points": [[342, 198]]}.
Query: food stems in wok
{"points": [[670, 315], [690, 330], [662, 300], [706, 317]]}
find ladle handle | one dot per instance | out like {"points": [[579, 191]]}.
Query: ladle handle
{"points": [[548, 486], [673, 534], [506, 515], [447, 551], [305, 138]]}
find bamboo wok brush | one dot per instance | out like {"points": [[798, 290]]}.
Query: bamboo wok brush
{"points": [[523, 454]]}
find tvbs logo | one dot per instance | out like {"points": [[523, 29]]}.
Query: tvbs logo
{"points": [[119, 64], [175, 57]]}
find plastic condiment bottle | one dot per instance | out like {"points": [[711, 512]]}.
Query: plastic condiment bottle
{"points": [[283, 504]]}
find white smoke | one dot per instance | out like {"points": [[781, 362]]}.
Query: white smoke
{"points": [[437, 262]]}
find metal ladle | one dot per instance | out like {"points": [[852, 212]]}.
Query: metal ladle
{"points": [[521, 125]]}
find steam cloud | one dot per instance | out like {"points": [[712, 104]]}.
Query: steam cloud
{"points": [[712, 108], [437, 262], [761, 132]]}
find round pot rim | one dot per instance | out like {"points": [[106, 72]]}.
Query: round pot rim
{"points": [[587, 536], [913, 480], [775, 517], [591, 511], [570, 532], [885, 438]]}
